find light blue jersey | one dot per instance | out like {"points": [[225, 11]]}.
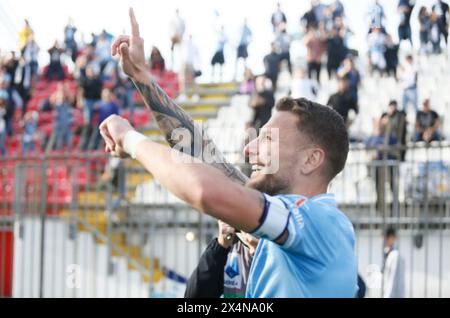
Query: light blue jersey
{"points": [[318, 258]]}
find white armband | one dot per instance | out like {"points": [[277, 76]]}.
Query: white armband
{"points": [[130, 142], [273, 221]]}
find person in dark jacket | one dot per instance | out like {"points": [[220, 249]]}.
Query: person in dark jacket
{"points": [[157, 62], [92, 89], [441, 11], [342, 101], [223, 267], [272, 66], [336, 52], [91, 86], [262, 102], [55, 69], [391, 57]]}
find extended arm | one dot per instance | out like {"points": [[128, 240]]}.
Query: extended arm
{"points": [[170, 117]]}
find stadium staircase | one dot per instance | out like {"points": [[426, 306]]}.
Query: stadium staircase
{"points": [[73, 189]]}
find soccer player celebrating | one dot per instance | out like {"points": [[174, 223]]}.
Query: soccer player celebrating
{"points": [[307, 245]]}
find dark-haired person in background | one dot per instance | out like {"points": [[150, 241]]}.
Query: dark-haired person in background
{"points": [[262, 102], [272, 66], [405, 8], [223, 267], [427, 124], [442, 13], [342, 101], [393, 268]]}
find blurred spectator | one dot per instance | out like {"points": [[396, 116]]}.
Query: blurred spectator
{"points": [[272, 66], [315, 46], [381, 147], [343, 30], [103, 50], [425, 29], [337, 9], [248, 84], [22, 82], [336, 51], [394, 122], [177, 29], [342, 101], [435, 33], [219, 57], [405, 8], [277, 18], [328, 21], [427, 124], [55, 70], [157, 63], [309, 19], [319, 10], [262, 102], [11, 63], [409, 84], [106, 107], [115, 175], [302, 86], [376, 16], [189, 66], [12, 99], [244, 41], [3, 101], [348, 70], [70, 45], [442, 12], [223, 267], [25, 35], [91, 86], [29, 136], [393, 268], [391, 56], [30, 55], [283, 44], [123, 89], [63, 118], [377, 47]]}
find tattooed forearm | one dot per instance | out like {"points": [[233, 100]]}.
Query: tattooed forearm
{"points": [[172, 120]]}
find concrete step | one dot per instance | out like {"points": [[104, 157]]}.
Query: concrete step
{"points": [[135, 178], [218, 102], [223, 85], [99, 197], [213, 92]]}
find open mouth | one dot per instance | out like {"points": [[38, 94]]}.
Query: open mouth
{"points": [[257, 168]]}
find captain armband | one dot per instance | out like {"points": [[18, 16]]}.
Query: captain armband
{"points": [[274, 219]]}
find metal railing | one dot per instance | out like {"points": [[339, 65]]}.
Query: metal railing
{"points": [[89, 226]]}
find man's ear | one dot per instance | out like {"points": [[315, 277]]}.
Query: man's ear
{"points": [[312, 160]]}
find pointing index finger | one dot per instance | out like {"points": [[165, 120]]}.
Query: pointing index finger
{"points": [[134, 24]]}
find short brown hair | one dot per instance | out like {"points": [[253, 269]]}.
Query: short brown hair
{"points": [[324, 126]]}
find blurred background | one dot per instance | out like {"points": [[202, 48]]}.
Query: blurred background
{"points": [[76, 223]]}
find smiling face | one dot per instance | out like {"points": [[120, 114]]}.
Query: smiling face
{"points": [[302, 142], [273, 158]]}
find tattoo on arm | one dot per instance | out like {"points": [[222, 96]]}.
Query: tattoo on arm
{"points": [[170, 117]]}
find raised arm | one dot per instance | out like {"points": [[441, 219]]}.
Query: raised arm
{"points": [[169, 116], [203, 187]]}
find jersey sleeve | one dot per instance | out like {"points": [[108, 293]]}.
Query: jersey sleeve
{"points": [[274, 219]]}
